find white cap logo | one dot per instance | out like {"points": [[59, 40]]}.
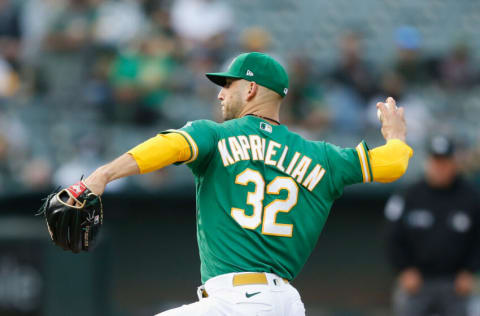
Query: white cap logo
{"points": [[249, 73], [285, 91]]}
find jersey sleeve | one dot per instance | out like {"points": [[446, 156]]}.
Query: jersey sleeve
{"points": [[201, 137], [390, 161], [160, 151], [348, 165]]}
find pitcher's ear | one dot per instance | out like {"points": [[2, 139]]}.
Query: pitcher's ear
{"points": [[252, 90]]}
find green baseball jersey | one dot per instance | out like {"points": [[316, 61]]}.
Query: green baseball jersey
{"points": [[263, 193]]}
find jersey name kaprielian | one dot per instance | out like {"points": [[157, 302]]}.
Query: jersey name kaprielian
{"points": [[254, 147]]}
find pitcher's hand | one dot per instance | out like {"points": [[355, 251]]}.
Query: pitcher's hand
{"points": [[393, 120], [96, 183]]}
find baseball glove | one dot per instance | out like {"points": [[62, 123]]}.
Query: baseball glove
{"points": [[73, 227]]}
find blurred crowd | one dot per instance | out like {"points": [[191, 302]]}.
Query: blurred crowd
{"points": [[82, 81]]}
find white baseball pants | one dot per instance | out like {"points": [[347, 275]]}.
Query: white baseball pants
{"points": [[277, 298]]}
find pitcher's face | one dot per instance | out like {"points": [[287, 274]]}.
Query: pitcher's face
{"points": [[231, 98]]}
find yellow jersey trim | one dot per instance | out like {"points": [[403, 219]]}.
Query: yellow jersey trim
{"points": [[191, 142], [362, 155]]}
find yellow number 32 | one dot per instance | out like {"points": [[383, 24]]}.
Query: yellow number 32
{"points": [[255, 199]]}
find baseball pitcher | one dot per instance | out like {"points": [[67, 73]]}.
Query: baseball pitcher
{"points": [[263, 193]]}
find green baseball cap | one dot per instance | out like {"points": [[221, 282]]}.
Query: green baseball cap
{"points": [[258, 67]]}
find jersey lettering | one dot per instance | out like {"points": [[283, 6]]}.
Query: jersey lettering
{"points": [[226, 158], [236, 149], [256, 147], [282, 158], [292, 162], [271, 152], [314, 177], [245, 146], [253, 148], [301, 169]]}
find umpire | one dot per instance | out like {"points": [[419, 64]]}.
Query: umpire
{"points": [[434, 238]]}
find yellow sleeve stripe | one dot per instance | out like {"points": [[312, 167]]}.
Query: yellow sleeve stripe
{"points": [[362, 155], [191, 142]]}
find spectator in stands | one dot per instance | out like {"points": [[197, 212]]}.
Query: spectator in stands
{"points": [[9, 80], [66, 62], [36, 18], [305, 106], [352, 71], [140, 77], [434, 233], [10, 32], [410, 63], [201, 22], [159, 16], [118, 22], [116, 25], [14, 150], [255, 39], [199, 61], [10, 39], [73, 27], [351, 84], [457, 70]]}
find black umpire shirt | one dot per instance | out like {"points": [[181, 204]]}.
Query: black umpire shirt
{"points": [[435, 230]]}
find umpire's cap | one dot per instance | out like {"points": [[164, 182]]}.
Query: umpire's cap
{"points": [[441, 146], [257, 67]]}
